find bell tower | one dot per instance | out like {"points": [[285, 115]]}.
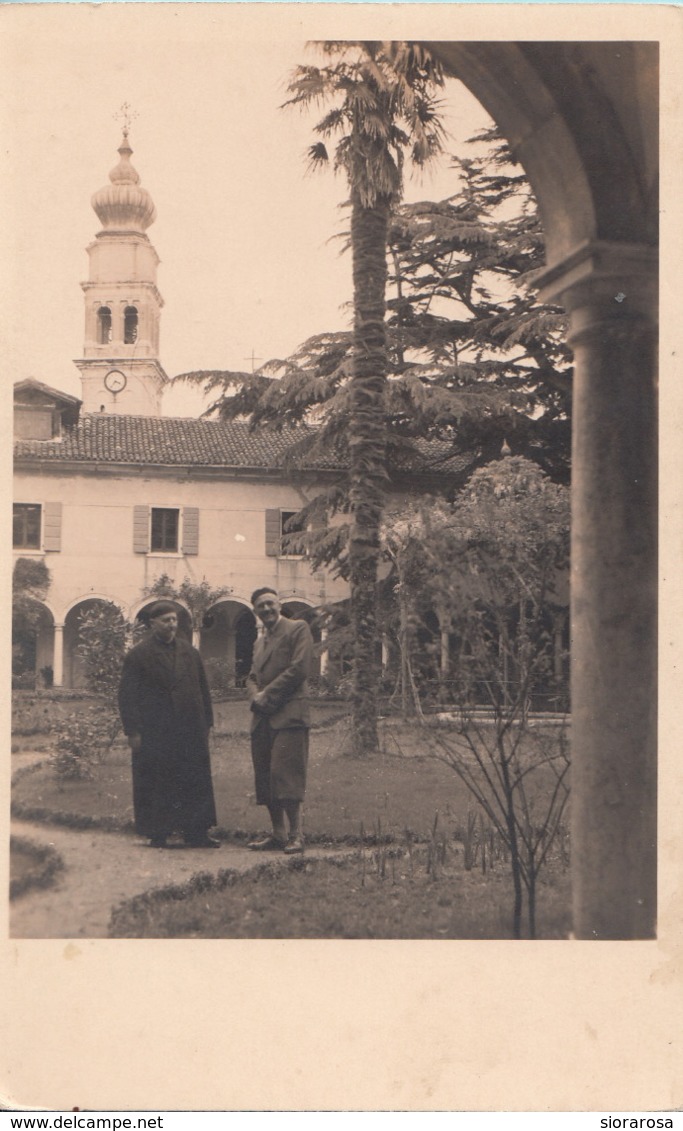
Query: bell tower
{"points": [[120, 369]]}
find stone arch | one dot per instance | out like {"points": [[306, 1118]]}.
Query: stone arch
{"points": [[136, 610], [184, 615], [72, 673], [130, 325], [226, 642], [299, 608], [582, 118], [104, 598], [104, 325]]}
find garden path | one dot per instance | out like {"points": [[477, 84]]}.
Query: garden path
{"points": [[103, 869]]}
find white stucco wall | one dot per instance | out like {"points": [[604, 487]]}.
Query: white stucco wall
{"points": [[97, 556]]}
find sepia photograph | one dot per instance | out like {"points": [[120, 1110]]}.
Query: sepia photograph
{"points": [[334, 572]]}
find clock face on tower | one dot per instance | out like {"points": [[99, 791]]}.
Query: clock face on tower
{"points": [[115, 381]]}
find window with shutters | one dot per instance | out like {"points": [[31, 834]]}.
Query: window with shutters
{"points": [[190, 539], [164, 530], [26, 524], [280, 524]]}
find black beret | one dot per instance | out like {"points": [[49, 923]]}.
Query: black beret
{"points": [[160, 609]]}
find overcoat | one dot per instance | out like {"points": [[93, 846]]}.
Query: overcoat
{"points": [[164, 697], [280, 668]]}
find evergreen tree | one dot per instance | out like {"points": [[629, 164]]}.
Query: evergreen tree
{"points": [[463, 356], [479, 361], [382, 106], [475, 361]]}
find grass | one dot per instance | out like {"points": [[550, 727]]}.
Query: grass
{"points": [[365, 896], [346, 798], [414, 873], [31, 866]]}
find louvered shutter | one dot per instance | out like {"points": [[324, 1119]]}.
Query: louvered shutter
{"points": [[141, 530], [272, 532], [190, 530], [52, 527]]}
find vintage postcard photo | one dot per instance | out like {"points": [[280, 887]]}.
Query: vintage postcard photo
{"points": [[343, 491]]}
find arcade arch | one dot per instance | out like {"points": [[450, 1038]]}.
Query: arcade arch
{"points": [[73, 674], [582, 118], [229, 632], [226, 642]]}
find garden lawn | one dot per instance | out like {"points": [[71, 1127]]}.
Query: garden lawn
{"points": [[405, 812], [346, 799], [31, 866], [370, 895]]}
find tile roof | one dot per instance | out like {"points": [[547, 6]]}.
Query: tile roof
{"points": [[175, 441]]}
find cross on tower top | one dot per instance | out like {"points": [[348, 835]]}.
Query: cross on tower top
{"points": [[126, 114], [252, 358]]}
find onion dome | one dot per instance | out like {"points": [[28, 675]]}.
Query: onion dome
{"points": [[124, 204]]}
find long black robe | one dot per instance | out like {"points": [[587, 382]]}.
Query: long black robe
{"points": [[164, 697]]}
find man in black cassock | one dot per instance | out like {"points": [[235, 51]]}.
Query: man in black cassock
{"points": [[166, 711]]}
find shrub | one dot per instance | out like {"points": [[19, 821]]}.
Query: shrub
{"points": [[220, 674], [84, 741], [104, 635]]}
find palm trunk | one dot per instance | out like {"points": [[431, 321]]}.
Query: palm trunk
{"points": [[367, 442]]}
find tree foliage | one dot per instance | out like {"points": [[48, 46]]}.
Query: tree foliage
{"points": [[30, 585], [475, 363], [104, 636], [197, 596], [451, 353], [475, 360], [479, 361], [86, 736], [494, 565]]}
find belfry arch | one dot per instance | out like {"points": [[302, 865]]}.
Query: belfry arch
{"points": [[582, 118]]}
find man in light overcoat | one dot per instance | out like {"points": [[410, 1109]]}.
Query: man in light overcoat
{"points": [[277, 687]]}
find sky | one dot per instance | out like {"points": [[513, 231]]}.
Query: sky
{"points": [[249, 262]]}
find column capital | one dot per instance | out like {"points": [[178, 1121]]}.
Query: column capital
{"points": [[597, 270], [606, 288]]}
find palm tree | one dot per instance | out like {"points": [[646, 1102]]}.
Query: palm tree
{"points": [[384, 107]]}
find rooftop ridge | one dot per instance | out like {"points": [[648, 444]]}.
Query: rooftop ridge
{"points": [[174, 441]]}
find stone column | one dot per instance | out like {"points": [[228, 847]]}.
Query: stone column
{"points": [[58, 656], [324, 654], [609, 291]]}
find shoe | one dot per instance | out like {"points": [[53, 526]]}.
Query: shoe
{"points": [[293, 845], [270, 844], [158, 842], [204, 841]]}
